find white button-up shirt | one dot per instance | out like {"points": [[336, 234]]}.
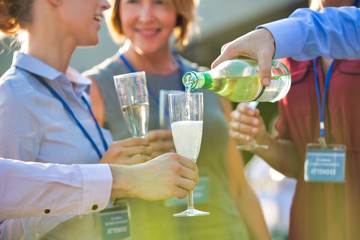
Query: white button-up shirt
{"points": [[28, 189]]}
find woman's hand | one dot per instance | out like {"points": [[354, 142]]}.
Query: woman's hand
{"points": [[128, 152], [246, 124], [160, 141]]}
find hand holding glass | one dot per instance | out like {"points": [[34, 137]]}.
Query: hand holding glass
{"points": [[133, 97], [252, 145], [186, 116]]}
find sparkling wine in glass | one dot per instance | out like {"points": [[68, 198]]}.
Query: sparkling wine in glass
{"points": [[186, 117], [164, 117], [134, 101], [252, 145]]}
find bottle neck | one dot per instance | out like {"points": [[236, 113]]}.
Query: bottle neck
{"points": [[196, 80]]}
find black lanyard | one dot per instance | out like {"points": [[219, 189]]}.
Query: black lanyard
{"points": [[68, 109]]}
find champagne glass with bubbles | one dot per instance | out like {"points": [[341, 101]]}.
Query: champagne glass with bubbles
{"points": [[133, 97], [186, 117], [164, 117]]}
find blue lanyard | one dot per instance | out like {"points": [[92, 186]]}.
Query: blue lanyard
{"points": [[326, 88], [356, 3], [68, 109], [128, 65], [155, 99]]}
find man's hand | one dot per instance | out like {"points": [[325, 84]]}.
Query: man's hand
{"points": [[258, 45], [167, 176]]}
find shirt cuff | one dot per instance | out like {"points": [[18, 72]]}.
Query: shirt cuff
{"points": [[287, 36], [97, 184]]}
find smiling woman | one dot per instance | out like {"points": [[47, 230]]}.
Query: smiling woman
{"points": [[46, 117], [36, 90], [150, 31]]}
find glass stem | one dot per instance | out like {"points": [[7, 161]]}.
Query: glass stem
{"points": [[252, 142], [190, 200]]}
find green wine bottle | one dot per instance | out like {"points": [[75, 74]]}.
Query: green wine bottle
{"points": [[238, 80]]}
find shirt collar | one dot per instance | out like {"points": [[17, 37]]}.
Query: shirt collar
{"points": [[79, 82], [36, 66]]}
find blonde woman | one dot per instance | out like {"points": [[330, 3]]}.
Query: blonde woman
{"points": [[150, 32]]}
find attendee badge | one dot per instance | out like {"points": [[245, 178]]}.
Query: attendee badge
{"points": [[325, 164], [115, 222]]}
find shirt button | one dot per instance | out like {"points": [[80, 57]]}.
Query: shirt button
{"points": [[47, 211], [94, 207], [37, 235]]}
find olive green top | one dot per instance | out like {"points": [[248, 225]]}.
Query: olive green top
{"points": [[154, 220]]}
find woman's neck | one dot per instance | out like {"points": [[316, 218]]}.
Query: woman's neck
{"points": [[160, 63], [54, 54], [47, 42]]}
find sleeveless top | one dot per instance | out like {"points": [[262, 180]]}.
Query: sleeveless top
{"points": [[154, 220]]}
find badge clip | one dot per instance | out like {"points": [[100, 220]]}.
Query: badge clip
{"points": [[322, 142]]}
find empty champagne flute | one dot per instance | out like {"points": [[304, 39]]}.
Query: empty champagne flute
{"points": [[133, 97], [252, 145], [186, 117]]}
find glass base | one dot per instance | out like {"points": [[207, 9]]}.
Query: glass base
{"points": [[251, 147], [191, 213]]}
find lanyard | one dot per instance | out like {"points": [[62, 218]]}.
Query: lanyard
{"points": [[128, 65], [356, 3], [68, 109], [321, 105], [155, 99]]}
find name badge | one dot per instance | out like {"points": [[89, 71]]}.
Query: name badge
{"points": [[325, 164], [115, 222], [200, 194]]}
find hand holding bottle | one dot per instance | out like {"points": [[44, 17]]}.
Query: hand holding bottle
{"points": [[238, 80], [246, 124], [258, 45]]}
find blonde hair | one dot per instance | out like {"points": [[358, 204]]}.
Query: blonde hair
{"points": [[185, 10]]}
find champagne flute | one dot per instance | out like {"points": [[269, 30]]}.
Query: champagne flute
{"points": [[164, 118], [186, 117], [134, 101], [252, 145]]}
